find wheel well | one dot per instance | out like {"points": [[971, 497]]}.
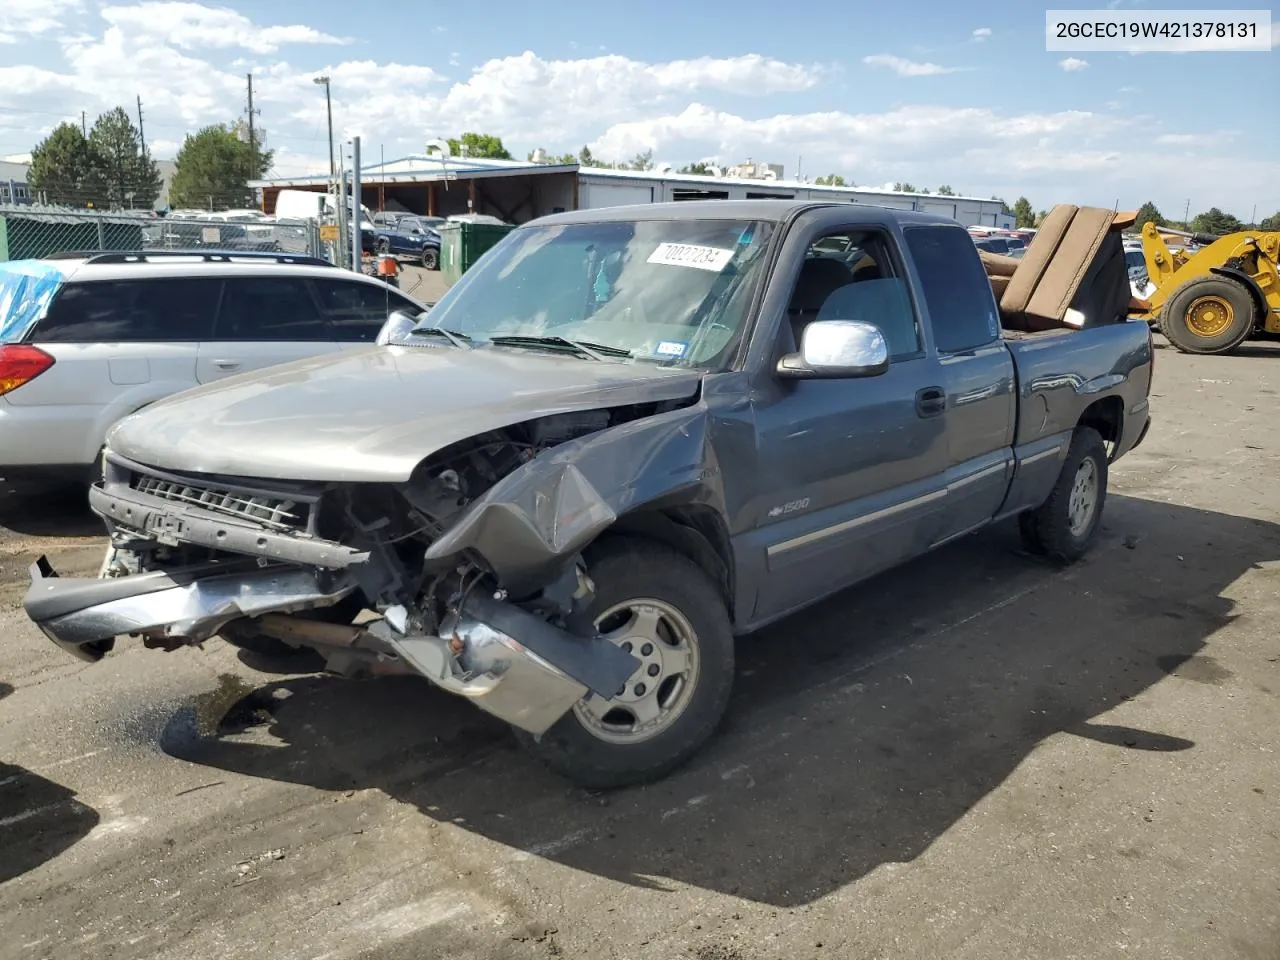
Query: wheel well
{"points": [[1250, 286], [1107, 417], [697, 532]]}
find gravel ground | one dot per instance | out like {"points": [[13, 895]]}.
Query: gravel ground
{"points": [[976, 756]]}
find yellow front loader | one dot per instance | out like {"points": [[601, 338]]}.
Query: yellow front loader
{"points": [[1214, 299]]}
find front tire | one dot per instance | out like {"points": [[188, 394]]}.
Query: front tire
{"points": [[1066, 524], [667, 611]]}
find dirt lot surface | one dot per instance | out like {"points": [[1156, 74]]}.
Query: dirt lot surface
{"points": [[977, 756]]}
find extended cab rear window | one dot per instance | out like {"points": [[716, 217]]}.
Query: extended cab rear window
{"points": [[161, 310], [957, 291]]}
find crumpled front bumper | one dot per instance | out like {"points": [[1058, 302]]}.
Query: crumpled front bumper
{"points": [[84, 615], [507, 661]]}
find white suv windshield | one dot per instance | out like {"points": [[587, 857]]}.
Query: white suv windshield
{"points": [[671, 291]]}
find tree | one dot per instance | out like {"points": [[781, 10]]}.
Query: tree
{"points": [[482, 145], [1040, 217], [64, 170], [1004, 205], [552, 158], [214, 167], [1023, 213], [585, 159], [698, 169], [1147, 213], [642, 161], [131, 177], [1214, 220], [904, 188], [946, 191], [1270, 223], [830, 180]]}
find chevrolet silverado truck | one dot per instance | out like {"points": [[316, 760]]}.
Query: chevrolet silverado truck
{"points": [[624, 438]]}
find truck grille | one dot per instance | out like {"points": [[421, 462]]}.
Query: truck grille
{"points": [[276, 513]]}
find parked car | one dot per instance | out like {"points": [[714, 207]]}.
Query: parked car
{"points": [[408, 239], [87, 340], [632, 434]]}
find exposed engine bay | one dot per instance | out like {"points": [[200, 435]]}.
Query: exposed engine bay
{"points": [[377, 578]]}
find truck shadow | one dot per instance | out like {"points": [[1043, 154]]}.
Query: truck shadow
{"points": [[39, 819], [860, 732]]}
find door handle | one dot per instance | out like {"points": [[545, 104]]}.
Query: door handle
{"points": [[226, 364], [931, 401]]}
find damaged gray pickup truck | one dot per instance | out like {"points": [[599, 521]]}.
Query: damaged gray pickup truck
{"points": [[623, 438]]}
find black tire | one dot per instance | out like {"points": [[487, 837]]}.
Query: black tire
{"points": [[431, 259], [383, 247], [1049, 529], [1176, 317], [625, 569]]}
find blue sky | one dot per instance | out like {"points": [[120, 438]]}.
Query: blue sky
{"points": [[875, 92]]}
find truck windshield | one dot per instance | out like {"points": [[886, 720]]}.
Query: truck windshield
{"points": [[26, 287], [665, 291]]}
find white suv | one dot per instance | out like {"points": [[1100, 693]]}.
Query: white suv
{"points": [[88, 339]]}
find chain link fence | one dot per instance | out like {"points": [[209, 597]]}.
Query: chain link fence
{"points": [[28, 231]]}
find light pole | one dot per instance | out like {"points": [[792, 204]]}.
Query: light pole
{"points": [[328, 106]]}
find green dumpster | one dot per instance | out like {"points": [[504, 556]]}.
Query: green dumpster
{"points": [[463, 242]]}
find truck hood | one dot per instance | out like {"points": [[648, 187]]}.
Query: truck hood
{"points": [[370, 415]]}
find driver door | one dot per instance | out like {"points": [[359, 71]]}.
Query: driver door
{"points": [[851, 471]]}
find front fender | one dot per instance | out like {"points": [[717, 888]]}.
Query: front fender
{"points": [[533, 519]]}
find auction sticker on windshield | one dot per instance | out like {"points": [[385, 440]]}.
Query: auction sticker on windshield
{"points": [[691, 255]]}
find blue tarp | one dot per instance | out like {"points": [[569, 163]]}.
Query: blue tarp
{"points": [[26, 287]]}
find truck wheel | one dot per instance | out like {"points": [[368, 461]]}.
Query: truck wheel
{"points": [[1064, 526], [1208, 315], [662, 607], [431, 259]]}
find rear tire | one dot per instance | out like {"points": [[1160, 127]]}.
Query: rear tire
{"points": [[431, 259], [1066, 524], [665, 609], [1208, 315]]}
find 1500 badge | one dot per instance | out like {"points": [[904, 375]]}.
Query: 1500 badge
{"points": [[786, 508]]}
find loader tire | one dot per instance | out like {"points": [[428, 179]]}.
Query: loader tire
{"points": [[668, 612], [1208, 315]]}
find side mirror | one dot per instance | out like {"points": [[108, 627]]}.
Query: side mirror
{"points": [[397, 327], [836, 349]]}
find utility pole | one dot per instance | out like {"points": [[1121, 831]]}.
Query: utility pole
{"points": [[141, 136], [253, 142], [357, 247], [1186, 217], [84, 129], [1253, 218]]}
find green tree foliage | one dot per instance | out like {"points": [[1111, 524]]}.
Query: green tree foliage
{"points": [[64, 170], [214, 167], [130, 176], [1214, 220], [1148, 213], [1023, 214], [585, 157], [904, 188], [552, 158], [482, 145], [946, 191], [641, 161], [1004, 205], [698, 169], [830, 180], [1270, 223]]}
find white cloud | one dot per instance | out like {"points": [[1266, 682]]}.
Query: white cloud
{"points": [[618, 105], [34, 17], [1177, 139], [981, 34], [1073, 64], [907, 68], [1129, 90], [193, 25]]}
